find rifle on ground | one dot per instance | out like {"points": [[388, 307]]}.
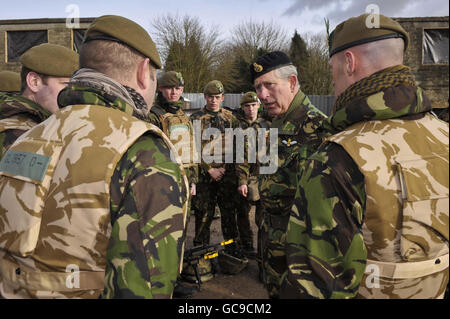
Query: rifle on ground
{"points": [[192, 256]]}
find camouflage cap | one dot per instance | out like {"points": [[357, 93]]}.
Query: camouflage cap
{"points": [[213, 88], [170, 79], [9, 81], [269, 62], [51, 59], [123, 30], [249, 97], [358, 30]]}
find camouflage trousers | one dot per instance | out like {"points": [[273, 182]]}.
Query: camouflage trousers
{"points": [[209, 193], [243, 221], [273, 238]]}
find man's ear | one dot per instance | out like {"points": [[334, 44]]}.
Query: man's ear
{"points": [[293, 81], [143, 74], [350, 63], [34, 82]]}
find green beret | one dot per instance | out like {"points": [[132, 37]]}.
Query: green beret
{"points": [[249, 97], [355, 31], [9, 81], [123, 30], [213, 88], [170, 79], [51, 59]]}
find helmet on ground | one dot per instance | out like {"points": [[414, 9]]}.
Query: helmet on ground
{"points": [[230, 264], [204, 271]]}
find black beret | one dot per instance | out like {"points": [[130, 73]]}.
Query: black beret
{"points": [[269, 62]]}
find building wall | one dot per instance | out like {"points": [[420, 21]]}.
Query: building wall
{"points": [[57, 33], [433, 78]]}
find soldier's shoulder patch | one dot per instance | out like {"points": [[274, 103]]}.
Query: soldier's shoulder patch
{"points": [[25, 164]]}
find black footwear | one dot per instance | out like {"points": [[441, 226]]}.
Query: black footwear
{"points": [[181, 291], [249, 251]]}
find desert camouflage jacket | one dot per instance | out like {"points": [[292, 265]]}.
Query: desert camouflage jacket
{"points": [[325, 250], [220, 120], [298, 137], [17, 115], [245, 170], [147, 216], [163, 107]]}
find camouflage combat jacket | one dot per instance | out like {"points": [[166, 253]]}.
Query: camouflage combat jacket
{"points": [[298, 138], [246, 170], [171, 119], [110, 205], [17, 115], [220, 120], [370, 217]]}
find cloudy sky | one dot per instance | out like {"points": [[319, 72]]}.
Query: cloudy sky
{"points": [[306, 16]]}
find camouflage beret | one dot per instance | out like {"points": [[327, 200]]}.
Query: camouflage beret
{"points": [[123, 30], [9, 81], [213, 88], [170, 79], [51, 59], [269, 62], [355, 31], [249, 97]]}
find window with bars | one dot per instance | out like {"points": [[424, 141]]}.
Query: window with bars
{"points": [[435, 46], [78, 36], [18, 42]]}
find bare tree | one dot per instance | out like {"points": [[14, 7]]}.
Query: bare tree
{"points": [[248, 40], [316, 77], [251, 36], [188, 47]]}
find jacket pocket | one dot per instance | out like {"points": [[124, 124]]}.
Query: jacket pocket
{"points": [[424, 192]]}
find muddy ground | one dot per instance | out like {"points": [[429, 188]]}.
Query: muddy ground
{"points": [[244, 285]]}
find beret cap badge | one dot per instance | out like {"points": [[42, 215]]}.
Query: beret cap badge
{"points": [[257, 67]]}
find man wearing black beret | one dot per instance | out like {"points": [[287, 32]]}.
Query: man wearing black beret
{"points": [[296, 120]]}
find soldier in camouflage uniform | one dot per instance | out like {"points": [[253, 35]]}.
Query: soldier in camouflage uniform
{"points": [[167, 113], [217, 179], [46, 69], [370, 218], [296, 121], [248, 177], [97, 202]]}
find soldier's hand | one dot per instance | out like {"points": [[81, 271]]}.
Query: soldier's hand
{"points": [[243, 190], [193, 190], [216, 174]]}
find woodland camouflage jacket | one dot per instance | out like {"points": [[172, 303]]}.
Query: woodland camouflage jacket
{"points": [[337, 221]]}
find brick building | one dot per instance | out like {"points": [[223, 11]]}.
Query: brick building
{"points": [[427, 55], [17, 36]]}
